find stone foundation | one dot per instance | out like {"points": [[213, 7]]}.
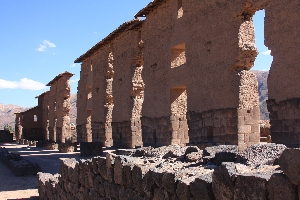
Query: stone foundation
{"points": [[98, 132], [285, 121], [51, 146], [122, 134], [175, 172], [67, 147], [91, 149], [156, 131]]}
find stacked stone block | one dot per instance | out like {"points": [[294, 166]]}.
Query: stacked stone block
{"points": [[166, 173]]}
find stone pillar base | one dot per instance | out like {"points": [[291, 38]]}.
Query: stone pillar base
{"points": [[51, 146], [67, 147], [91, 149]]}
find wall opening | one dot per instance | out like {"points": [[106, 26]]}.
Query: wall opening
{"points": [[262, 63], [178, 55], [178, 96], [179, 9], [89, 92], [34, 118]]}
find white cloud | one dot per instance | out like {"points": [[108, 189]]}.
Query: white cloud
{"points": [[74, 80], [24, 83], [73, 65], [45, 44], [268, 52], [50, 44], [41, 48], [95, 32]]}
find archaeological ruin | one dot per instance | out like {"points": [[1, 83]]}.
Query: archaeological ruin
{"points": [[49, 120], [174, 89], [184, 83]]}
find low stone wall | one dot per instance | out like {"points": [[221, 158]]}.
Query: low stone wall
{"points": [[17, 164], [175, 172]]}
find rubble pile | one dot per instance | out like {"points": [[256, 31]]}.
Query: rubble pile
{"points": [[174, 172]]}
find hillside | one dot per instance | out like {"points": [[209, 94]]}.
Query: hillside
{"points": [[7, 115], [7, 111], [262, 77]]}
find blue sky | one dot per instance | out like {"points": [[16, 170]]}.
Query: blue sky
{"points": [[40, 39]]}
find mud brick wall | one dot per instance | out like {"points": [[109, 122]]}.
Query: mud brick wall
{"points": [[285, 121], [139, 177]]}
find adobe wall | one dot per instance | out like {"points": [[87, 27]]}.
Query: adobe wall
{"points": [[211, 75], [52, 112], [281, 33], [18, 126], [82, 105], [32, 130], [100, 64], [189, 83]]}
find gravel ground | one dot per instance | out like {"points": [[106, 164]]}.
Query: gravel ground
{"points": [[25, 187]]}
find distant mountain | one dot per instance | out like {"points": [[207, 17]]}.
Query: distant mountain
{"points": [[262, 77], [7, 115]]}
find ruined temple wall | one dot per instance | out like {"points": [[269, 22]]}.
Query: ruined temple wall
{"points": [[82, 102], [99, 60], [44, 102], [217, 48], [283, 41], [125, 48], [52, 99], [282, 38], [63, 126], [32, 130]]}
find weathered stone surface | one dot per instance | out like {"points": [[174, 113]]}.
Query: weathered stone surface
{"points": [[261, 154], [223, 180], [218, 154], [280, 187], [289, 162], [201, 187]]}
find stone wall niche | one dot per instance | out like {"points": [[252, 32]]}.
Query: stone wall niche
{"points": [[178, 55], [178, 97]]}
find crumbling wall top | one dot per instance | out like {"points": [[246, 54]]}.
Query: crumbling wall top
{"points": [[58, 77], [130, 25]]}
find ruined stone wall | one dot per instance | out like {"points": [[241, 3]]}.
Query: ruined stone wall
{"points": [[44, 101], [283, 79], [100, 62], [18, 126], [207, 66], [125, 50], [178, 173], [32, 130], [81, 120], [52, 100], [63, 127]]}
